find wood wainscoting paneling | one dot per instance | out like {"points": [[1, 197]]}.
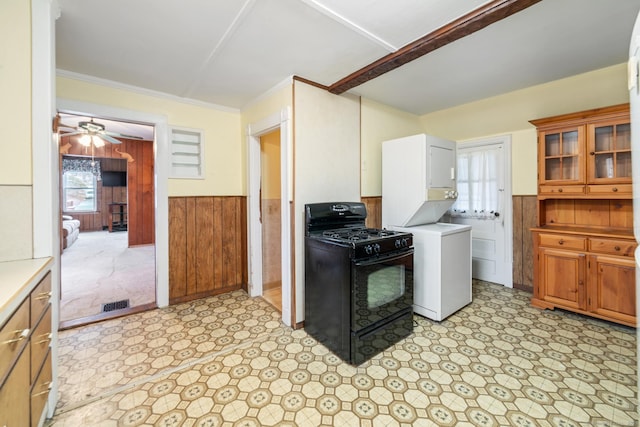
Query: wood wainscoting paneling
{"points": [[207, 246], [140, 192], [374, 211], [524, 217]]}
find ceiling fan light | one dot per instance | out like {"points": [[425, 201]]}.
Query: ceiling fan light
{"points": [[97, 141], [85, 140]]}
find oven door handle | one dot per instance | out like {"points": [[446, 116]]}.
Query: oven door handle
{"points": [[385, 258]]}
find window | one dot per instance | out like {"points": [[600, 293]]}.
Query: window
{"points": [[187, 153], [478, 186], [79, 191]]}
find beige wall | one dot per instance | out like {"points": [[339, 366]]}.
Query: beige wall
{"points": [[270, 165], [16, 223], [273, 102], [15, 90], [380, 123], [510, 114], [224, 153]]}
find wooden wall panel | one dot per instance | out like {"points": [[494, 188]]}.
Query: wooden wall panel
{"points": [[192, 246], [524, 217], [205, 238], [374, 211], [178, 245], [141, 193], [214, 253]]}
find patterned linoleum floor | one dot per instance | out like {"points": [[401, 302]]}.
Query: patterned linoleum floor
{"points": [[228, 361]]}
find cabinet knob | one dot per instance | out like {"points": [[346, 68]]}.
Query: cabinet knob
{"points": [[561, 242], [559, 190], [615, 189], [617, 248], [592, 153]]}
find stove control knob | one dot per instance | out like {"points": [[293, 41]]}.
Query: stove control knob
{"points": [[376, 248], [397, 244], [405, 242], [368, 249]]}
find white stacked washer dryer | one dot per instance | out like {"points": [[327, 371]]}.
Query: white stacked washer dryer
{"points": [[418, 186]]}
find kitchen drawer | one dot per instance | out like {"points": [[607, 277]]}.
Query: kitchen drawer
{"points": [[13, 337], [612, 246], [40, 297], [40, 340], [610, 190], [40, 392], [563, 241], [561, 190]]}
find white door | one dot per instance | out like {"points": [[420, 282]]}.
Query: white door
{"points": [[484, 203]]}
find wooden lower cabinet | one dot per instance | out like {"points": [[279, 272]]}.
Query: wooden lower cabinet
{"points": [[562, 275], [570, 277], [25, 359], [612, 288]]}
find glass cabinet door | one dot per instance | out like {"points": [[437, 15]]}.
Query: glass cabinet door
{"points": [[609, 157], [562, 158]]}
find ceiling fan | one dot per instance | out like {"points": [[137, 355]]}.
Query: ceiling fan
{"points": [[92, 132]]}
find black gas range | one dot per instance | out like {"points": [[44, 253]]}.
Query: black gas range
{"points": [[358, 281]]}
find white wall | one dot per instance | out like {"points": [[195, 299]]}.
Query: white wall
{"points": [[326, 160]]}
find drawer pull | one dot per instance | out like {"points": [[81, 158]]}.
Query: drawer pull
{"points": [[49, 385], [617, 248], [44, 295], [23, 334], [561, 242], [559, 190], [47, 339], [615, 189]]}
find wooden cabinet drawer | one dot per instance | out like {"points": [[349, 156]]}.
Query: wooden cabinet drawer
{"points": [[612, 246], [563, 241], [40, 340], [610, 190], [13, 337], [561, 190], [40, 391], [14, 394], [40, 297]]}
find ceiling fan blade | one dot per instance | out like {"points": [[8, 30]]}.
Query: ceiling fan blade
{"points": [[122, 135], [109, 138], [75, 132]]}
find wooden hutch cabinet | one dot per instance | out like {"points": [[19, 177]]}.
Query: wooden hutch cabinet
{"points": [[583, 242]]}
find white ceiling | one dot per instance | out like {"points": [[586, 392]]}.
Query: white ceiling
{"points": [[229, 52]]}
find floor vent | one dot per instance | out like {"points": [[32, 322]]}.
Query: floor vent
{"points": [[116, 305]]}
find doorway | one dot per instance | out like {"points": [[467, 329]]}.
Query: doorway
{"points": [[108, 266], [281, 123], [271, 218], [484, 203]]}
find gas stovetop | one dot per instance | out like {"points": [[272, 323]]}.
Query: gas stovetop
{"points": [[357, 235], [343, 224]]}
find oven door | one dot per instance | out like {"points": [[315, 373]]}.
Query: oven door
{"points": [[382, 287]]}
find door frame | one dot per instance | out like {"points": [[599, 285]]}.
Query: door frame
{"points": [[505, 193], [281, 120], [161, 165]]}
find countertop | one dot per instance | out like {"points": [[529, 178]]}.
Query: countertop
{"points": [[17, 280]]}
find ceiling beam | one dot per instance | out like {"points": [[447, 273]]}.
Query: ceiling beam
{"points": [[468, 24]]}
